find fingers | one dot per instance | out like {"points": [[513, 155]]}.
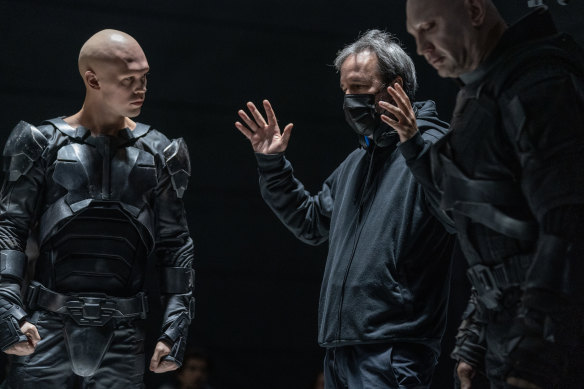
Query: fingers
{"points": [[31, 333], [156, 364], [20, 349], [521, 383], [257, 115], [270, 113], [286, 133], [165, 366], [465, 374], [395, 111], [400, 97], [244, 130], [251, 124], [27, 347]]}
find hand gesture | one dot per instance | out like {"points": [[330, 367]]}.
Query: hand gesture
{"points": [[27, 347], [157, 365], [465, 374], [405, 125], [265, 138]]}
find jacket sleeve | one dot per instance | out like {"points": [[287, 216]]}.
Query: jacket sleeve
{"points": [[306, 216], [416, 152], [174, 249], [19, 204], [547, 130]]}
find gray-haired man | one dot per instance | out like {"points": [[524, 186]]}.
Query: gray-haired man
{"points": [[385, 287]]}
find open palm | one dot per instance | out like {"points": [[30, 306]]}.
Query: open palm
{"points": [[265, 138]]}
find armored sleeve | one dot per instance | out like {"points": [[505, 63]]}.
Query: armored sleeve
{"points": [[546, 127], [306, 216], [19, 203], [174, 249], [470, 339]]}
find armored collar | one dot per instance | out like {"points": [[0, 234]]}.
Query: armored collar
{"points": [[81, 133]]}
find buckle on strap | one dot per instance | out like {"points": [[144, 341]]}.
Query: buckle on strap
{"points": [[87, 309], [490, 281], [91, 311]]}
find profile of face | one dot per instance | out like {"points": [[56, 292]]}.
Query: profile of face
{"points": [[194, 374], [443, 34], [118, 79]]}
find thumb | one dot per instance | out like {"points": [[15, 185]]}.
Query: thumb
{"points": [[155, 361], [286, 133]]}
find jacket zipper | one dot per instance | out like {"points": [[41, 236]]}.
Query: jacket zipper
{"points": [[357, 236]]}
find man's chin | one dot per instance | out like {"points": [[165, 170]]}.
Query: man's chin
{"points": [[134, 113]]}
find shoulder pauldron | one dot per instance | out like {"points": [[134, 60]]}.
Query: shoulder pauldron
{"points": [[24, 146], [176, 157]]}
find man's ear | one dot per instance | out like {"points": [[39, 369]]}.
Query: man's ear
{"points": [[399, 80], [476, 11], [91, 80]]}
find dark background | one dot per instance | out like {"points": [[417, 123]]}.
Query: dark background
{"points": [[257, 287]]}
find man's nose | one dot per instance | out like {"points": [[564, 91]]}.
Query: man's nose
{"points": [[422, 44]]}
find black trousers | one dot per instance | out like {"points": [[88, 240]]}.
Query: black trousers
{"points": [[382, 365], [49, 366]]}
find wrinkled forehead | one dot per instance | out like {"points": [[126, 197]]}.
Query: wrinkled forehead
{"points": [[421, 11]]}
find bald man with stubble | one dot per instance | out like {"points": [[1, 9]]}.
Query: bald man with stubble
{"points": [[100, 193], [510, 176]]}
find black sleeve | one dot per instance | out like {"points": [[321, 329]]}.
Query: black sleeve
{"points": [[21, 191], [416, 152], [307, 216], [174, 249]]}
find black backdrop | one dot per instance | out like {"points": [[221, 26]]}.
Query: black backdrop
{"points": [[257, 287]]}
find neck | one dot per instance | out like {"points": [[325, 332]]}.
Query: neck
{"points": [[99, 121]]}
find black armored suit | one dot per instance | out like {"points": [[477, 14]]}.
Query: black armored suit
{"points": [[510, 172], [98, 207]]}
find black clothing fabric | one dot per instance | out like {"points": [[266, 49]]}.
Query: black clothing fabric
{"points": [[387, 273], [98, 206], [379, 365], [50, 366], [510, 174]]}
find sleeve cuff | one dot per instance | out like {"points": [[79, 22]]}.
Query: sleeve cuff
{"points": [[270, 162], [411, 148]]}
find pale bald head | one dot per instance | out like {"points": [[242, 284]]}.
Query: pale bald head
{"points": [[109, 46], [455, 36]]}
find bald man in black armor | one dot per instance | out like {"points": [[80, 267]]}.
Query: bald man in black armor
{"points": [[510, 175], [101, 192]]}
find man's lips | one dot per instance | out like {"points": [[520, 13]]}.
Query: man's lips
{"points": [[435, 60], [137, 102]]}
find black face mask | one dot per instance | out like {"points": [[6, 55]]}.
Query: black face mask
{"points": [[360, 114]]}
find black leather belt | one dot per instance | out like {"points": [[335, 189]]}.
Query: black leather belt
{"points": [[87, 309]]}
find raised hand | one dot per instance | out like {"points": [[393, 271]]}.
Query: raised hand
{"points": [[405, 125], [265, 138], [28, 347]]}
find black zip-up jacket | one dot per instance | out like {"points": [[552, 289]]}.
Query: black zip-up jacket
{"points": [[388, 267]]}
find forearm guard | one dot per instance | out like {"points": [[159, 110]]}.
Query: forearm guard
{"points": [[12, 271], [470, 340], [180, 310], [176, 285], [10, 317]]}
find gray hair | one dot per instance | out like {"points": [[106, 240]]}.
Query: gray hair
{"points": [[392, 59]]}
